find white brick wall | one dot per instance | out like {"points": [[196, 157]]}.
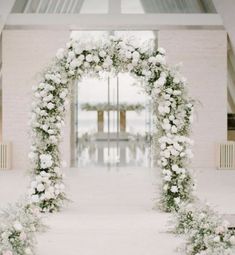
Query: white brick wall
{"points": [[204, 57], [25, 54]]}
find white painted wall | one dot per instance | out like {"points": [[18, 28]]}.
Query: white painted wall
{"points": [[204, 57], [25, 54]]}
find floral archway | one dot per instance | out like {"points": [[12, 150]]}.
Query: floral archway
{"points": [[173, 110], [206, 232]]}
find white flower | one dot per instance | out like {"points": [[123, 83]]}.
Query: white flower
{"points": [[71, 55], [175, 168], [46, 161], [161, 81], [53, 138], [60, 54], [160, 59], [50, 106], [176, 80], [35, 198], [174, 189], [167, 178], [75, 63], [40, 187], [23, 236], [152, 60], [78, 50], [48, 98], [17, 226], [177, 200], [161, 50], [232, 240], [165, 187], [89, 58], [96, 59], [63, 94], [136, 55], [174, 129], [216, 239], [102, 53], [128, 54]]}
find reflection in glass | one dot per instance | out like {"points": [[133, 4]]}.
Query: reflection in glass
{"points": [[114, 130]]}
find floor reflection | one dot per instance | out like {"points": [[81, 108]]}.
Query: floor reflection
{"points": [[122, 149]]}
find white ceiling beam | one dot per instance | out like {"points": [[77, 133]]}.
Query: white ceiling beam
{"points": [[5, 9], [114, 21], [114, 7]]}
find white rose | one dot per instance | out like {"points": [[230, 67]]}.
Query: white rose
{"points": [[174, 168], [232, 240], [96, 59], [102, 53], [167, 178], [165, 187], [17, 226], [53, 138], [166, 154], [78, 50], [136, 55], [160, 59], [160, 82], [128, 54], [40, 187], [176, 80], [89, 58], [50, 106], [152, 60], [35, 198], [174, 189], [166, 126], [46, 161], [75, 63], [174, 129], [71, 55], [63, 94], [48, 98], [177, 200], [216, 239]]}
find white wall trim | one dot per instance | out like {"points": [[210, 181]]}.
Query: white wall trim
{"points": [[114, 21]]}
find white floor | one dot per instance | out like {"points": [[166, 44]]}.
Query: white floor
{"points": [[112, 210]]}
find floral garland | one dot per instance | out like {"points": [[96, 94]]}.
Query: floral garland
{"points": [[18, 225], [112, 107], [173, 110], [206, 232]]}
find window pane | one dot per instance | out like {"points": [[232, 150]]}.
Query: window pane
{"points": [[95, 6], [168, 6]]}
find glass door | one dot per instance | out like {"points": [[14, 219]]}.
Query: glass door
{"points": [[113, 123]]}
